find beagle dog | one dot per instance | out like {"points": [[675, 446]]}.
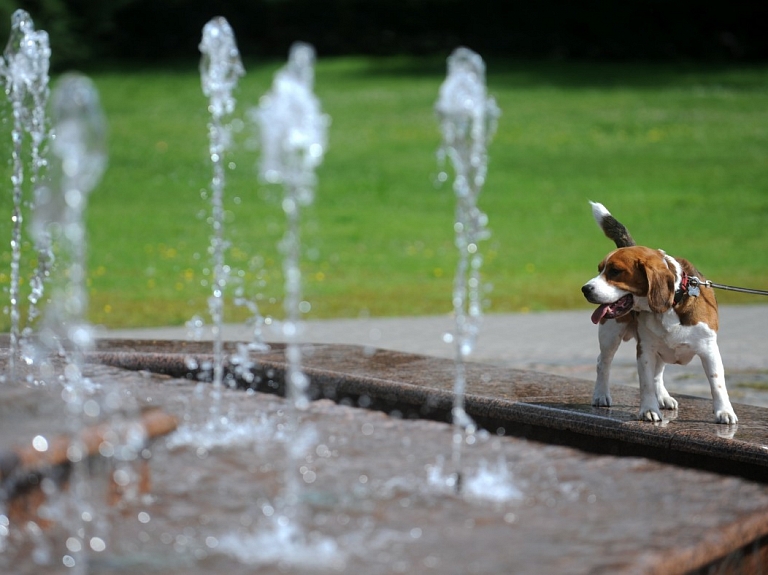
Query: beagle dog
{"points": [[654, 298]]}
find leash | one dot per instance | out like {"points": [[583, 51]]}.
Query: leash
{"points": [[695, 282]]}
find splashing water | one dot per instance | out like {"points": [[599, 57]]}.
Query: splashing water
{"points": [[236, 435], [468, 119], [220, 70], [25, 73], [490, 482], [283, 544], [220, 67]]}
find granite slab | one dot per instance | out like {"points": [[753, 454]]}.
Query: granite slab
{"points": [[523, 403]]}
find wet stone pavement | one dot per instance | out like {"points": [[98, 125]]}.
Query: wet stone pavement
{"points": [[371, 484], [370, 504]]}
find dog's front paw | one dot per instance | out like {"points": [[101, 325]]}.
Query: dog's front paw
{"points": [[726, 416], [667, 402], [601, 400], [650, 414]]}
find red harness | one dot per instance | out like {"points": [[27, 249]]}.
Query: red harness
{"points": [[682, 291]]}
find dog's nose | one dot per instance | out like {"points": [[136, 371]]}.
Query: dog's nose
{"points": [[587, 290]]}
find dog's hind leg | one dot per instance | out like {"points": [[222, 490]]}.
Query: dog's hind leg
{"points": [[610, 335], [713, 367]]}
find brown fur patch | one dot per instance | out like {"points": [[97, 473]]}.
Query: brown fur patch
{"points": [[692, 310]]}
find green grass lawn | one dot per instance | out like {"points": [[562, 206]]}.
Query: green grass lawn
{"points": [[679, 154]]}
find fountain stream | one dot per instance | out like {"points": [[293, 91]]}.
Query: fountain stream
{"points": [[293, 141], [79, 151], [468, 120], [79, 160], [25, 72], [293, 131], [220, 69]]}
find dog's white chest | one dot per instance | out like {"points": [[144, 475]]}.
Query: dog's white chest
{"points": [[672, 341], [681, 355]]}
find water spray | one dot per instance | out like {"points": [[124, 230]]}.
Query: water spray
{"points": [[293, 141], [24, 71], [220, 70], [468, 119], [78, 162]]}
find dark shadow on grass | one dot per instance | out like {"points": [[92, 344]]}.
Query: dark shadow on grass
{"points": [[637, 75], [579, 74]]}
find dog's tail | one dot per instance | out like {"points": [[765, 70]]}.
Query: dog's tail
{"points": [[611, 227]]}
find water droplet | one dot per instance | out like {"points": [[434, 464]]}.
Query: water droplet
{"points": [[91, 408], [74, 453], [106, 449], [316, 150], [121, 477], [40, 443], [289, 205]]}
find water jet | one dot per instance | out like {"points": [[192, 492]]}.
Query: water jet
{"points": [[467, 121]]}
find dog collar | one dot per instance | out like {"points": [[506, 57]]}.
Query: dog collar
{"points": [[683, 291]]}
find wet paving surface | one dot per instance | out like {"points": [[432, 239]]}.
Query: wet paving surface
{"points": [[748, 386], [521, 402], [369, 491]]}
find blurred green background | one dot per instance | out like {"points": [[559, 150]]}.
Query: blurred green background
{"points": [[675, 147]]}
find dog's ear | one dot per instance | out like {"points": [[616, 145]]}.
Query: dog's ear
{"points": [[661, 285]]}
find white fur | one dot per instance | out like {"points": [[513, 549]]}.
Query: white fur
{"points": [[599, 212], [603, 291]]}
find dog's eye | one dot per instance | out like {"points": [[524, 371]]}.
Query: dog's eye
{"points": [[612, 272]]}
